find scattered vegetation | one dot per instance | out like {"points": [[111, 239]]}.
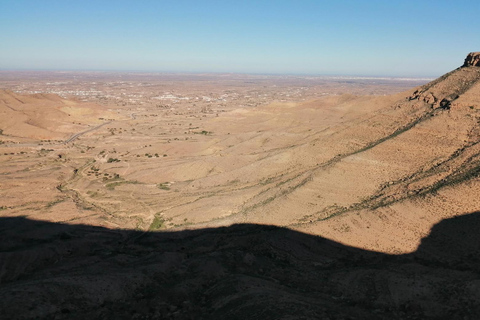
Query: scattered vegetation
{"points": [[43, 151], [267, 181], [462, 175], [110, 160], [157, 223], [54, 202], [111, 186], [92, 194], [204, 132], [164, 186]]}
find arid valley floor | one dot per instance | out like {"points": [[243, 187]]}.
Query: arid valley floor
{"points": [[214, 196], [182, 150]]}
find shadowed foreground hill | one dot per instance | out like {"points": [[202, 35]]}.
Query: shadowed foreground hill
{"points": [[52, 270]]}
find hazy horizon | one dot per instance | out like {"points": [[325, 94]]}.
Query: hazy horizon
{"points": [[333, 76], [344, 38]]}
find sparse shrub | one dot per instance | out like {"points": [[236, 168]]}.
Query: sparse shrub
{"points": [[54, 202], [111, 186], [204, 132], [164, 186], [157, 223]]}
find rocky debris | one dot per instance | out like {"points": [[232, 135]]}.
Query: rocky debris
{"points": [[473, 59], [430, 98], [444, 92]]}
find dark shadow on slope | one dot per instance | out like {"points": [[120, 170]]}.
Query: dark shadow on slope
{"points": [[50, 270]]}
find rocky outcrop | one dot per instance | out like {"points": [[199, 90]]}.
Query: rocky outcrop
{"points": [[457, 88], [473, 59]]}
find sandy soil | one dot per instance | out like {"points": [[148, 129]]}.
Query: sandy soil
{"points": [[375, 175]]}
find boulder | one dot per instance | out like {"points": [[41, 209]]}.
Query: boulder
{"points": [[473, 59]]}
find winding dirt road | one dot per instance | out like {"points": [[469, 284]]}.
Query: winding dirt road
{"points": [[76, 135]]}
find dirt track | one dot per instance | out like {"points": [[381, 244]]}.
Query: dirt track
{"points": [[75, 136]]}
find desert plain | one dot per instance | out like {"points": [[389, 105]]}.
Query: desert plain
{"points": [[125, 150]]}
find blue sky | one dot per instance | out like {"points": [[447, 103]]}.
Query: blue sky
{"points": [[335, 37]]}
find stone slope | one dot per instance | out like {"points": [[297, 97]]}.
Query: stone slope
{"points": [[437, 155]]}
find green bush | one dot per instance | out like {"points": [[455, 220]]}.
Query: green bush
{"points": [[163, 186], [157, 223]]}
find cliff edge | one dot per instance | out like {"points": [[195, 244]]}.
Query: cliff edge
{"points": [[472, 59]]}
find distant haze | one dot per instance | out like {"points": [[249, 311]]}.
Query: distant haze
{"points": [[361, 38]]}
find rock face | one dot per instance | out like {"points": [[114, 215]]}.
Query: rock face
{"points": [[473, 59]]}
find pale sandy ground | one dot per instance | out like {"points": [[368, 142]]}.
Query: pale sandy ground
{"points": [[288, 164]]}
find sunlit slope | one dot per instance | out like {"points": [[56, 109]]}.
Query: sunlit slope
{"points": [[46, 116], [375, 172]]}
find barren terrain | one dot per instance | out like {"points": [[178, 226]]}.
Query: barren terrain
{"points": [[355, 174], [125, 150]]}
